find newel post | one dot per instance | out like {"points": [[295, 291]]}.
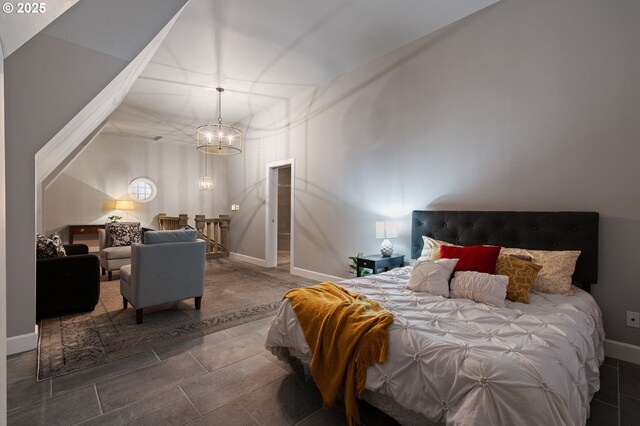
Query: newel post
{"points": [[224, 233], [160, 221], [183, 219], [200, 220]]}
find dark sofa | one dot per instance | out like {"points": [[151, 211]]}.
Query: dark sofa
{"points": [[67, 283]]}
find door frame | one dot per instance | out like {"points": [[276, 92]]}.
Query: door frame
{"points": [[271, 222]]}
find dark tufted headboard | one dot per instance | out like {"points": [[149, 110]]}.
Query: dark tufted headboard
{"points": [[533, 230]]}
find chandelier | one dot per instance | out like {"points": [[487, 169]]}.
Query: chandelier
{"points": [[219, 138], [205, 183]]}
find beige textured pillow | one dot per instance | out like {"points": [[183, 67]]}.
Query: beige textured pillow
{"points": [[431, 248], [508, 251], [556, 272], [521, 275], [557, 269]]}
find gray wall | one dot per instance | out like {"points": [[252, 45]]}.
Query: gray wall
{"points": [[3, 256], [86, 190], [47, 81], [526, 105]]}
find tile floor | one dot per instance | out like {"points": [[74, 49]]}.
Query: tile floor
{"points": [[618, 400], [226, 378]]}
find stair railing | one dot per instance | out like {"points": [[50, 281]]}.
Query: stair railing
{"points": [[215, 233]]}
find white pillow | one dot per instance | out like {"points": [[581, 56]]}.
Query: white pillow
{"points": [[432, 276], [481, 287]]}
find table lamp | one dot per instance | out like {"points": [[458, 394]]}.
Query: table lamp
{"points": [[124, 205], [386, 230]]}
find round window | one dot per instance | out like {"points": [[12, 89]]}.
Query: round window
{"points": [[142, 190]]}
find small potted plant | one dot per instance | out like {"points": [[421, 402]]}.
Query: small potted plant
{"points": [[114, 218], [353, 266]]}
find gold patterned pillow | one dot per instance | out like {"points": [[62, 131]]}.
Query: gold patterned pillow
{"points": [[521, 274]]}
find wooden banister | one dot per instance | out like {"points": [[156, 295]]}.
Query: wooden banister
{"points": [[172, 222], [215, 233]]}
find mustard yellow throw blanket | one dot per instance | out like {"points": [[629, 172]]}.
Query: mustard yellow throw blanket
{"points": [[346, 333]]}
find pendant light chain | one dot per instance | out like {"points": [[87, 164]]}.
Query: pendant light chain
{"points": [[220, 89]]}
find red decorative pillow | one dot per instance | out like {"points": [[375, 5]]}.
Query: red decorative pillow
{"points": [[472, 258]]}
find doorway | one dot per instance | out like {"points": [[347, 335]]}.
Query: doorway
{"points": [[279, 234], [284, 215]]}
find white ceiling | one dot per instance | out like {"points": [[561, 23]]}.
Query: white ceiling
{"points": [[263, 51]]}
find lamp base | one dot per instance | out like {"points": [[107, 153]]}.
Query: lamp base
{"points": [[386, 249]]}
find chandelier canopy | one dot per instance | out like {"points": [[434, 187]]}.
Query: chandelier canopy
{"points": [[219, 138]]}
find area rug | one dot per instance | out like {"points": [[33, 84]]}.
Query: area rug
{"points": [[235, 293]]}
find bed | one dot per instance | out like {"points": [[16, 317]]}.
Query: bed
{"points": [[458, 362]]}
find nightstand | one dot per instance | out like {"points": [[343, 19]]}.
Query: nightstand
{"points": [[378, 261]]}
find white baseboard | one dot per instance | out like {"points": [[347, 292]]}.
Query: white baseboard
{"points": [[294, 271], [312, 275], [23, 342], [248, 259], [622, 351]]}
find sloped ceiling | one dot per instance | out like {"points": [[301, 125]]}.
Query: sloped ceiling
{"points": [[262, 52]]}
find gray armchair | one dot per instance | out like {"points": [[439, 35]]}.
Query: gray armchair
{"points": [[168, 267]]}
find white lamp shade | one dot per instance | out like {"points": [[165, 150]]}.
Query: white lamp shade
{"points": [[386, 229], [391, 229], [124, 205]]}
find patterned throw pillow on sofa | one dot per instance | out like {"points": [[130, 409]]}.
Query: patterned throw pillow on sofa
{"points": [[124, 234], [50, 246]]}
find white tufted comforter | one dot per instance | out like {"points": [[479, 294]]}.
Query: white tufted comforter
{"points": [[466, 363]]}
